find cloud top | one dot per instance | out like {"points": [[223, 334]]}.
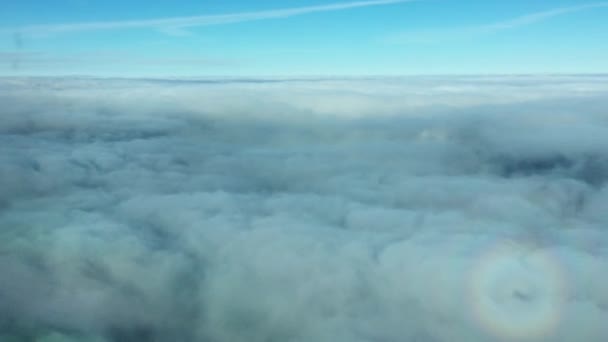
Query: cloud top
{"points": [[419, 209]]}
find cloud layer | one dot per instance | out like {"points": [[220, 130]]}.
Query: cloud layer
{"points": [[419, 209]]}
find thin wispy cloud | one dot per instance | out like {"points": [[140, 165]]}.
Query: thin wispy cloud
{"points": [[39, 60], [458, 33], [177, 25]]}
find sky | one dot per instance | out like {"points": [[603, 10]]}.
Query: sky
{"points": [[298, 38]]}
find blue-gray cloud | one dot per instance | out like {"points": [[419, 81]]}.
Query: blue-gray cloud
{"points": [[419, 209]]}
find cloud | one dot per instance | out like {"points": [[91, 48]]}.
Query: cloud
{"points": [[422, 209], [177, 25], [458, 33]]}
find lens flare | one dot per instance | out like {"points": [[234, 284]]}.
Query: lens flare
{"points": [[517, 292]]}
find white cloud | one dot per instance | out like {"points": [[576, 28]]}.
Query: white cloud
{"points": [[419, 209]]}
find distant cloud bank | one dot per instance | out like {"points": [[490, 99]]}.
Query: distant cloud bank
{"points": [[425, 209]]}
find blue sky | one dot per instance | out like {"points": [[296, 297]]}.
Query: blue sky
{"points": [[307, 37]]}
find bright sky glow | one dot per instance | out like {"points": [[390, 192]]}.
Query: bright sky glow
{"points": [[307, 37]]}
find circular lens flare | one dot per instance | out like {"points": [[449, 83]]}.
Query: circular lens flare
{"points": [[517, 292]]}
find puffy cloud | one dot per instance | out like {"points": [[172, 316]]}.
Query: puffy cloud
{"points": [[418, 209]]}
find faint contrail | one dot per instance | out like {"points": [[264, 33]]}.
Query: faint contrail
{"points": [[539, 16], [176, 23], [431, 36]]}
